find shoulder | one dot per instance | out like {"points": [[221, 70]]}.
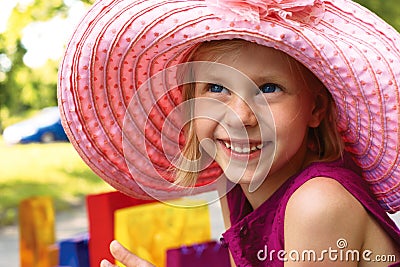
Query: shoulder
{"points": [[322, 194], [323, 211]]}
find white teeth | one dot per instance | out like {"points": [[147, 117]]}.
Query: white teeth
{"points": [[237, 149], [244, 150], [227, 145]]}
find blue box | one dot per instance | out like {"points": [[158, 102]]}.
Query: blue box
{"points": [[74, 252]]}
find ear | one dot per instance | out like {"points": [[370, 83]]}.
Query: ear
{"points": [[321, 103]]}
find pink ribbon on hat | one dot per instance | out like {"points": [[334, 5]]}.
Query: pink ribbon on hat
{"points": [[291, 11]]}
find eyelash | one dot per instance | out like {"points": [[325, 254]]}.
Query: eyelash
{"points": [[216, 88]]}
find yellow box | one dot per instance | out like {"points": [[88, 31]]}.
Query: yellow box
{"points": [[149, 230], [36, 232]]}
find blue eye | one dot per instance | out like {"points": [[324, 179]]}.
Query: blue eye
{"points": [[216, 88], [270, 88]]}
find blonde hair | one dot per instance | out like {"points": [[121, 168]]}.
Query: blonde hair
{"points": [[324, 140]]}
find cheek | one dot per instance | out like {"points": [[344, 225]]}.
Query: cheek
{"points": [[291, 122], [204, 128]]}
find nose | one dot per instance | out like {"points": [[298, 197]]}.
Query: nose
{"points": [[240, 114]]}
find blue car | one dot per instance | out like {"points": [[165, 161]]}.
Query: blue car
{"points": [[45, 127]]}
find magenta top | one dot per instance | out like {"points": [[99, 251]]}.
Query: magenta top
{"points": [[254, 232]]}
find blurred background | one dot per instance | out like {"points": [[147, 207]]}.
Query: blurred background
{"points": [[35, 156]]}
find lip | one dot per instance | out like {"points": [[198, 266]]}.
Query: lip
{"points": [[240, 141]]}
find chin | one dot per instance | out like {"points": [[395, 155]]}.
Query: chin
{"points": [[246, 177]]}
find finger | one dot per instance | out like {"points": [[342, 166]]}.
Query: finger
{"points": [[126, 257], [106, 263]]}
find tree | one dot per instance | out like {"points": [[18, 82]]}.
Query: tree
{"points": [[23, 88]]}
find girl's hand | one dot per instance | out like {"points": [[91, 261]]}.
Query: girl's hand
{"points": [[124, 256]]}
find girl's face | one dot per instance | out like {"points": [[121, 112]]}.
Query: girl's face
{"points": [[253, 108]]}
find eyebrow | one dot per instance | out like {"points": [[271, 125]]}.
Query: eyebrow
{"points": [[258, 79]]}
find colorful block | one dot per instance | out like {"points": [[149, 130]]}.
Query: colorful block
{"points": [[36, 232], [100, 209], [74, 252], [149, 230], [210, 254]]}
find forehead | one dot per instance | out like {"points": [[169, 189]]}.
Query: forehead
{"points": [[255, 61], [217, 50]]}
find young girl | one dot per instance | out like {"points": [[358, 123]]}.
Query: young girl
{"points": [[296, 102]]}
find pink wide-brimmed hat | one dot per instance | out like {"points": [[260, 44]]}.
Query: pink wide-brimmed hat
{"points": [[126, 128]]}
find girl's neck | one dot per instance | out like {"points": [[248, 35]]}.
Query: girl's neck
{"points": [[273, 182]]}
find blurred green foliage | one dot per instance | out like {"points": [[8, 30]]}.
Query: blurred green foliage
{"points": [[23, 88], [388, 10], [54, 170]]}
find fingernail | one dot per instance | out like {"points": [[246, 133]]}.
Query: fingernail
{"points": [[106, 263], [115, 244]]}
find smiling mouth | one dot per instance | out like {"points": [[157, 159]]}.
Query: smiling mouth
{"points": [[245, 148]]}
